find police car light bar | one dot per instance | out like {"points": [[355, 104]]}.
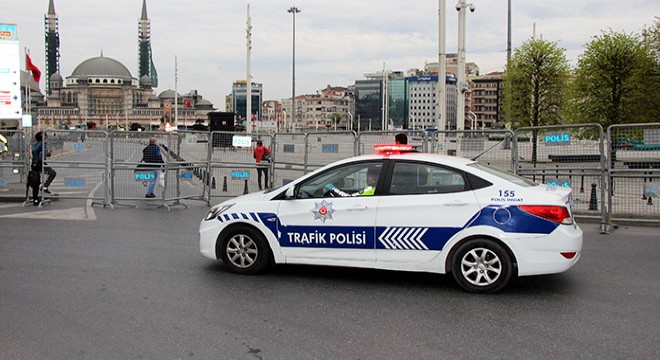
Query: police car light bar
{"points": [[387, 149]]}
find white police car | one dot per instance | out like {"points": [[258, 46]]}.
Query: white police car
{"points": [[429, 213]]}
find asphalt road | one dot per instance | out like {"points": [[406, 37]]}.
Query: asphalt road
{"points": [[129, 283]]}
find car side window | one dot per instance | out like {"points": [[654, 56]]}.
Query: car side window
{"points": [[419, 178], [346, 180]]}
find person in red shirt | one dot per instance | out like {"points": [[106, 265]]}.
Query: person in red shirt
{"points": [[262, 156]]}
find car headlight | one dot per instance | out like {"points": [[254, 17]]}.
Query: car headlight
{"points": [[217, 210]]}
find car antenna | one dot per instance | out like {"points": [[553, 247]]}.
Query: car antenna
{"points": [[487, 150]]}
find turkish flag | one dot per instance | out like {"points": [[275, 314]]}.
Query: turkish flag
{"points": [[186, 102], [29, 66]]}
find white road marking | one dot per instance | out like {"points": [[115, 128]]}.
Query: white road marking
{"points": [[65, 214]]}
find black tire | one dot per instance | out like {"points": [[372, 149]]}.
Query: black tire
{"points": [[245, 251], [482, 266]]}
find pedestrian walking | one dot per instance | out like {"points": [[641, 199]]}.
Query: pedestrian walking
{"points": [[151, 159], [38, 163]]}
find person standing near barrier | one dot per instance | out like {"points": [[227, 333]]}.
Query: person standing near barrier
{"points": [[262, 156], [38, 160], [401, 138], [152, 157]]}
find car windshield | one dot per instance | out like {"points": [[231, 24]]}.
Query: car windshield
{"points": [[518, 180]]}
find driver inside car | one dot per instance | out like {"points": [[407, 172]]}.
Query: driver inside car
{"points": [[369, 190]]}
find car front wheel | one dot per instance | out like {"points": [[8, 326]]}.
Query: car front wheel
{"points": [[245, 251], [482, 266]]}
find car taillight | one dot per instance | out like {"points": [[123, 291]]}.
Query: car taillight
{"points": [[558, 214]]}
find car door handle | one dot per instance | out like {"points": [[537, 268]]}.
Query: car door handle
{"points": [[456, 203], [357, 208]]}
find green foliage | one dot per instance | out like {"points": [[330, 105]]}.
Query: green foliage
{"points": [[534, 84], [616, 82], [652, 36]]}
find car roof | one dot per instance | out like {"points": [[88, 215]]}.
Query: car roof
{"points": [[444, 159]]}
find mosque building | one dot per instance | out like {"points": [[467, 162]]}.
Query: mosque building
{"points": [[102, 92]]}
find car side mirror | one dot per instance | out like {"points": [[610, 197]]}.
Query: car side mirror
{"points": [[289, 192]]}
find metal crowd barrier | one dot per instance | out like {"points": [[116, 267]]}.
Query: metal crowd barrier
{"points": [[566, 155], [634, 172], [130, 176], [14, 163], [232, 169], [614, 176], [80, 159], [492, 147]]}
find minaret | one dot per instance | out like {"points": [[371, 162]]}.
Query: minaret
{"points": [[145, 62], [52, 44]]}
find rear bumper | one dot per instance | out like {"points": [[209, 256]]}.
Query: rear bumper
{"points": [[542, 255]]}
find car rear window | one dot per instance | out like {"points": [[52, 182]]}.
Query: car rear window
{"points": [[518, 180]]}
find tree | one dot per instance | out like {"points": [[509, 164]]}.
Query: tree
{"points": [[652, 39], [336, 119], [652, 36], [535, 81], [616, 81]]}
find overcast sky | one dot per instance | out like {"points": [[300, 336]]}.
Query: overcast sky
{"points": [[337, 41]]}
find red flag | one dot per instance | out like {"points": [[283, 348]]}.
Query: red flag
{"points": [[187, 103], [29, 66]]}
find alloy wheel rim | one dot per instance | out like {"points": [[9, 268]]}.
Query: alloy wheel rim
{"points": [[481, 267], [242, 251]]}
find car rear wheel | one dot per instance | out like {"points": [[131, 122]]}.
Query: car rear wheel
{"points": [[482, 266], [245, 251]]}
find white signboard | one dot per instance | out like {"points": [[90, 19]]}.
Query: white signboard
{"points": [[241, 141], [26, 120], [10, 73]]}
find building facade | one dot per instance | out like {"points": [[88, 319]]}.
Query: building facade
{"points": [[487, 94], [398, 114], [423, 105], [239, 101], [328, 109], [368, 105]]}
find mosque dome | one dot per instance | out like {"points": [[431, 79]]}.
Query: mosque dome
{"points": [[102, 67], [145, 81], [167, 94], [204, 103], [56, 77]]}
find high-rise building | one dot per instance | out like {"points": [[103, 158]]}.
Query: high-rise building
{"points": [[368, 104], [398, 101], [239, 99], [411, 101], [423, 105]]}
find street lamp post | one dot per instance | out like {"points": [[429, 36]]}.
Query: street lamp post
{"points": [[461, 84], [293, 10], [350, 119], [441, 122]]}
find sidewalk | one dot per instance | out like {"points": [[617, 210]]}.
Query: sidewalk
{"points": [[13, 192]]}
